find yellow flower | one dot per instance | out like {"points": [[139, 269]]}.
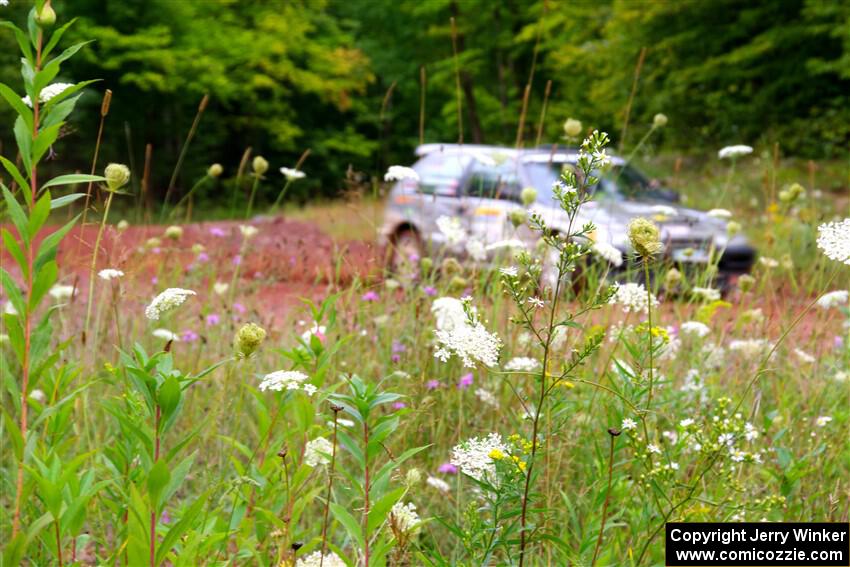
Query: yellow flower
{"points": [[497, 455]]}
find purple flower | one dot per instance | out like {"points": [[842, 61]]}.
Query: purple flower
{"points": [[213, 319], [215, 231], [165, 517], [203, 257], [838, 342], [465, 381], [395, 358], [239, 308], [447, 468], [370, 296], [398, 347], [154, 280], [156, 250], [189, 336], [237, 259], [430, 290], [432, 384], [414, 257], [399, 405]]}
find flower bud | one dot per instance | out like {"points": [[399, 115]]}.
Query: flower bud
{"points": [[451, 267], [174, 232], [659, 120], [197, 248], [746, 283], [733, 228], [458, 283], [528, 196], [572, 128], [672, 278], [518, 217], [117, 175], [122, 225], [645, 237], [391, 284], [215, 170], [413, 477], [260, 165], [248, 339], [47, 17], [426, 264]]}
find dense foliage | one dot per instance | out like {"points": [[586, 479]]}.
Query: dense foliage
{"points": [[344, 78]]}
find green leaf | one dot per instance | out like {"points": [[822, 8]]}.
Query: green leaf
{"points": [[380, 509], [13, 171], [48, 246], [158, 479], [51, 69], [55, 37], [72, 178], [59, 112], [348, 522], [21, 37], [15, 251], [13, 291], [59, 98], [65, 200], [42, 142], [39, 215], [17, 214], [23, 137], [44, 280], [168, 396], [15, 101], [178, 529]]}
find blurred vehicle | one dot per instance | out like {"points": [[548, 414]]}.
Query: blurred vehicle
{"points": [[480, 186]]}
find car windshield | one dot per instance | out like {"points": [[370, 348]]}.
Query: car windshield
{"points": [[628, 181]]}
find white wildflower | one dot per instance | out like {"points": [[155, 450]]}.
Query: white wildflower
{"points": [[283, 380], [317, 452], [400, 173], [726, 439], [449, 313], [220, 288], [833, 299], [169, 299], [653, 448], [834, 240], [768, 263], [471, 342], [38, 395], [633, 297], [734, 151], [404, 517], [510, 271], [292, 174], [315, 331], [722, 214], [486, 397], [315, 559], [248, 231], [687, 422], [628, 424], [9, 309], [475, 249], [706, 293], [694, 329], [48, 93], [452, 229], [609, 253], [473, 458], [510, 243], [61, 292], [750, 348], [804, 357], [438, 483], [535, 302], [110, 274], [522, 364], [822, 420], [750, 432]]}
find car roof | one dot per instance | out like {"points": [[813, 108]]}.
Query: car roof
{"points": [[542, 154]]}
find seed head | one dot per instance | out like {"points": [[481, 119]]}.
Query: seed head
{"points": [[260, 165], [645, 237], [659, 120], [746, 283], [117, 175], [528, 196], [733, 228], [248, 339], [174, 232], [215, 170], [672, 278], [572, 128], [518, 217]]}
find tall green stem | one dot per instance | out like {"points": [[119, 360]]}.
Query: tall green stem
{"points": [[93, 266]]}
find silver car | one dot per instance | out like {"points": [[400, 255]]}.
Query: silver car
{"points": [[477, 187]]}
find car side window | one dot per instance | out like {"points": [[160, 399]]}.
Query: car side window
{"points": [[441, 174], [493, 182]]}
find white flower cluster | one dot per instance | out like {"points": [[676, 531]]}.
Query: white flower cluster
{"points": [[287, 380], [169, 299], [486, 397], [292, 174], [60, 292], [722, 214], [452, 229], [476, 250], [471, 342], [473, 458], [315, 559], [449, 313], [694, 329], [405, 517], [706, 293], [750, 348], [609, 253], [834, 299], [522, 364], [400, 173], [317, 452], [438, 483], [633, 297], [834, 240], [165, 335], [110, 274], [48, 93], [248, 231], [734, 151]]}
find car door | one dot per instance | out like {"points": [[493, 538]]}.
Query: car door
{"points": [[491, 191], [441, 176]]}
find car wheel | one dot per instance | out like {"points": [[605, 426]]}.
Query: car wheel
{"points": [[405, 251]]}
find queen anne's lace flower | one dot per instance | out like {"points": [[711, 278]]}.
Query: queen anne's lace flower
{"points": [[315, 559], [722, 214], [476, 250], [449, 313], [706, 293], [48, 93], [734, 151], [400, 173], [633, 297], [510, 243], [404, 517], [317, 452], [452, 229], [283, 380], [471, 342], [248, 231], [522, 364], [834, 240], [292, 174], [610, 254], [473, 458], [833, 299], [165, 335], [60, 292], [694, 328], [438, 483], [169, 299], [110, 274], [486, 397], [750, 348]]}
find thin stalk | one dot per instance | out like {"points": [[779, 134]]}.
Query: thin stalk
{"points": [[25, 365], [298, 165], [142, 213], [422, 84], [457, 84], [201, 107], [336, 410], [93, 266], [638, 67], [607, 496], [246, 155], [153, 504], [366, 488], [104, 110], [185, 197], [58, 542], [540, 122], [649, 331], [251, 198]]}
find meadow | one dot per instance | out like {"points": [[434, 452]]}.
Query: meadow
{"points": [[258, 389]]}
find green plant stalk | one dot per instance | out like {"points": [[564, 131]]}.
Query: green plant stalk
{"points": [[201, 107], [607, 500], [281, 194], [649, 331], [93, 266], [238, 184], [366, 487], [330, 490], [154, 504], [251, 198], [185, 197]]}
